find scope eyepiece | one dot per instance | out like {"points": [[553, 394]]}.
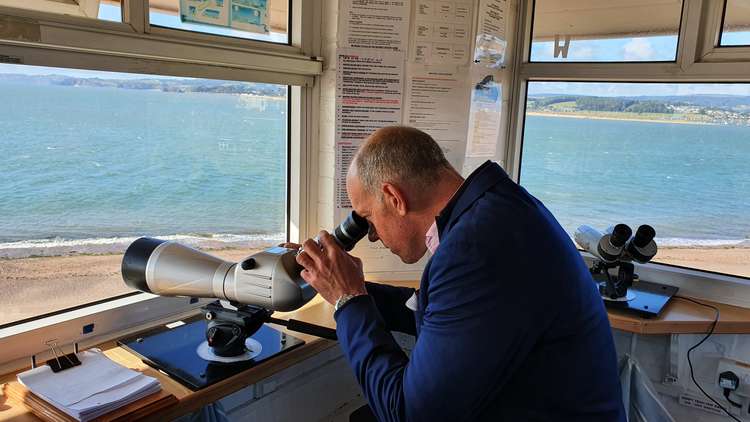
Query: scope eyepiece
{"points": [[351, 231]]}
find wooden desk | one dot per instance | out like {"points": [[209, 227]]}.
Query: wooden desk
{"points": [[680, 316], [189, 400]]}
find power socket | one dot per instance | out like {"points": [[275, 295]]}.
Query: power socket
{"points": [[742, 370]]}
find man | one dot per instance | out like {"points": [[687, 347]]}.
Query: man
{"points": [[508, 322]]}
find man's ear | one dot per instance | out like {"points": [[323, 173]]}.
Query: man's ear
{"points": [[395, 198]]}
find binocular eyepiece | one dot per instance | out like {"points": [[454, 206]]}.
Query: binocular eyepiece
{"points": [[616, 243]]}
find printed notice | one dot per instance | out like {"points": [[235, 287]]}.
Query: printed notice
{"points": [[374, 24], [438, 103], [491, 38], [368, 97], [484, 120], [442, 32]]}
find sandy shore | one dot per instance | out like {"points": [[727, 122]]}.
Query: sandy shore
{"points": [[32, 286], [624, 119]]}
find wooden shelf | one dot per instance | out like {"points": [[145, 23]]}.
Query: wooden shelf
{"points": [[681, 316]]}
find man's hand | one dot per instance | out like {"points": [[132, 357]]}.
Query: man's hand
{"points": [[330, 270]]}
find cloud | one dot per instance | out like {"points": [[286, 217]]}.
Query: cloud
{"points": [[638, 49], [578, 52]]}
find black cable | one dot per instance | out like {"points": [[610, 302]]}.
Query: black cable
{"points": [[690, 363], [727, 392]]}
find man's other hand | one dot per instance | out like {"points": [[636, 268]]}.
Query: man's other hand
{"points": [[290, 245], [330, 270]]}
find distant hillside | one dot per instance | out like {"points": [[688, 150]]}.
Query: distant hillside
{"points": [[715, 109], [166, 85]]}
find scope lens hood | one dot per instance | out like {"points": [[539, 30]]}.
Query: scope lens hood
{"points": [[135, 260]]}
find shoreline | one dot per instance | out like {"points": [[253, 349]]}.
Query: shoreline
{"points": [[39, 285], [622, 119]]}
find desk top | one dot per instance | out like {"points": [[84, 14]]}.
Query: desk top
{"points": [[679, 317]]}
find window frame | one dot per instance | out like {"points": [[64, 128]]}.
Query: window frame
{"points": [[531, 36], [695, 63], [711, 49], [76, 42]]}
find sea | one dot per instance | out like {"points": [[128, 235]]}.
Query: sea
{"points": [[88, 170], [691, 182]]}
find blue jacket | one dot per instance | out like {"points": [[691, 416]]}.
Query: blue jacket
{"points": [[509, 325]]}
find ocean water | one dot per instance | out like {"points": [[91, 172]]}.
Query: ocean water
{"points": [[690, 182], [86, 168]]}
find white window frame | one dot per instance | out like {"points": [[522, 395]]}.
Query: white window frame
{"points": [[710, 50], [46, 39], [699, 60]]}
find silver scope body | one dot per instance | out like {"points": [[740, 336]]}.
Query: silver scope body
{"points": [[269, 279]]}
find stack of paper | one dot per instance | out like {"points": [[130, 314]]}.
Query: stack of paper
{"points": [[94, 388]]}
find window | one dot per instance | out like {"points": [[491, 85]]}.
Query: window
{"points": [[265, 20], [110, 10], [674, 156], [736, 23], [92, 160], [605, 30], [101, 9]]}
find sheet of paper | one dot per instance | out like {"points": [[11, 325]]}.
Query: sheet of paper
{"points": [[374, 24], [437, 102], [485, 116], [115, 396], [368, 96], [491, 42], [96, 373], [441, 33]]}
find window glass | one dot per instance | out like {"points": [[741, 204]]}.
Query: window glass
{"points": [[264, 20], [605, 30], [110, 10], [736, 27], [674, 156], [92, 160], [100, 9]]}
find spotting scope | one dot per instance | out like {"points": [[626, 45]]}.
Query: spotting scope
{"points": [[269, 279]]}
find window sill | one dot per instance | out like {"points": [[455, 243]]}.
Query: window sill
{"points": [[110, 319]]}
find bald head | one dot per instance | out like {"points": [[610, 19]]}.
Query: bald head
{"points": [[402, 155]]}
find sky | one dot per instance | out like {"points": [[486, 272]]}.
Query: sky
{"points": [[655, 48], [638, 49]]}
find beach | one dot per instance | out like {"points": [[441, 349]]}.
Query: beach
{"points": [[32, 286], [38, 285], [615, 116]]}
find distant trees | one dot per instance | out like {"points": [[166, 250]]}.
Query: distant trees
{"points": [[611, 104]]}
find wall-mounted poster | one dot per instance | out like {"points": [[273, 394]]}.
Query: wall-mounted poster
{"points": [[247, 15]]}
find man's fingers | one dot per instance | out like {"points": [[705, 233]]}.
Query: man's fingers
{"points": [[305, 260], [290, 245], [329, 243], [313, 250]]}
